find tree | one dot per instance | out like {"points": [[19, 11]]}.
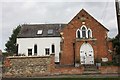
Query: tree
{"points": [[11, 46], [116, 46]]}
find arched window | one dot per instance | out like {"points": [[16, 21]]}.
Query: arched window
{"points": [[53, 48], [17, 49], [89, 33], [78, 34], [35, 49], [84, 32]]}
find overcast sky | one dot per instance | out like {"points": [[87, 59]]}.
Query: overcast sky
{"points": [[20, 12]]}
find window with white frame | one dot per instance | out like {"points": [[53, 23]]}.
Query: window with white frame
{"points": [[29, 52], [78, 34], [84, 32], [35, 49], [89, 34], [53, 48], [47, 51]]}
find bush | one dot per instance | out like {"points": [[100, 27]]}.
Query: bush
{"points": [[21, 54], [109, 63], [106, 63], [98, 60], [5, 54]]}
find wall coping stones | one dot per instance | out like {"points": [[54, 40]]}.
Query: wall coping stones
{"points": [[22, 57]]}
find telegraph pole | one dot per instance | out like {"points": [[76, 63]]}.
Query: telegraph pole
{"points": [[117, 5]]}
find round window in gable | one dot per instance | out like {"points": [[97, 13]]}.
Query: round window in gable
{"points": [[82, 15]]}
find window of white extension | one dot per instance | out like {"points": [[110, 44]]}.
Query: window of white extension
{"points": [[29, 52], [35, 49], [53, 48], [47, 51]]}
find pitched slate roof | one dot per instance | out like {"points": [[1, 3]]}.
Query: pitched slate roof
{"points": [[30, 30]]}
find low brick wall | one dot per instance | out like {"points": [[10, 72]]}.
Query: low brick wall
{"points": [[28, 66], [109, 69], [68, 70]]}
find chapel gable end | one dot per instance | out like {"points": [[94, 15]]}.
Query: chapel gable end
{"points": [[84, 18]]}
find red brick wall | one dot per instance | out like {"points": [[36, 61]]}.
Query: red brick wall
{"points": [[109, 69], [68, 70], [69, 33]]}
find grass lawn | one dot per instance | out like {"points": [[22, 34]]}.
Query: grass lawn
{"points": [[62, 78]]}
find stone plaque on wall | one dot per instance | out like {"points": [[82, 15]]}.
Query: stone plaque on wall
{"points": [[104, 59]]}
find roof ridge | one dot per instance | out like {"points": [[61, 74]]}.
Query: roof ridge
{"points": [[45, 24]]}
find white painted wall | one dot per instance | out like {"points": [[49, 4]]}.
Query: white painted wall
{"points": [[28, 43]]}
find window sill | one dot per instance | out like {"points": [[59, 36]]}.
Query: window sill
{"points": [[86, 39]]}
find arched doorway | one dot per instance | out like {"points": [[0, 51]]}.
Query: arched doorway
{"points": [[86, 54]]}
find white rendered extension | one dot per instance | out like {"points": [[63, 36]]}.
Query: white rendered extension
{"points": [[28, 43]]}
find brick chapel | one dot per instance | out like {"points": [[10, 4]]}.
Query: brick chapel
{"points": [[84, 40]]}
